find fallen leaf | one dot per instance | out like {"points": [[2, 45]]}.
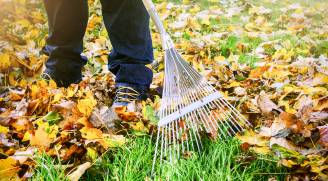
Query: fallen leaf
{"points": [[253, 138], [323, 136], [77, 174], [4, 61], [40, 138], [91, 133], [258, 72], [22, 156], [4, 130], [9, 169], [265, 104], [85, 106], [115, 140]]}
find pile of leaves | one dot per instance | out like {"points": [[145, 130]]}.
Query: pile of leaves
{"points": [[269, 58]]}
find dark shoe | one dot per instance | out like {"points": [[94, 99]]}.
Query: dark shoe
{"points": [[62, 79], [127, 94]]}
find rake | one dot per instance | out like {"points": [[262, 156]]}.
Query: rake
{"points": [[190, 106]]}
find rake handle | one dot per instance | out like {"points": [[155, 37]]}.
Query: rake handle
{"points": [[154, 16]]}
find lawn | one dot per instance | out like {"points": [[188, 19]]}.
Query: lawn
{"points": [[220, 160]]}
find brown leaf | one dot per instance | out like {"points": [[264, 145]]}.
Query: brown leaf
{"points": [[74, 149], [125, 115], [265, 104], [245, 146], [291, 122], [323, 136]]}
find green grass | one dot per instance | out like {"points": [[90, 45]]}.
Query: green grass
{"points": [[218, 161], [48, 170]]}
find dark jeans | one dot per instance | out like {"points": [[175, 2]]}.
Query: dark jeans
{"points": [[127, 23]]}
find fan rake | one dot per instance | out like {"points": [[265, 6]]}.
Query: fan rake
{"points": [[190, 106]]}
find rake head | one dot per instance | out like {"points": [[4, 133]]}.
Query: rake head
{"points": [[190, 106]]}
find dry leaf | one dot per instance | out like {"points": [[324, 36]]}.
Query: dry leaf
{"points": [[8, 169], [77, 174], [265, 104]]}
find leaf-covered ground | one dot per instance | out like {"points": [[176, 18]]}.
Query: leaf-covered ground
{"points": [[269, 58]]}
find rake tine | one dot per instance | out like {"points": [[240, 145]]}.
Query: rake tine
{"points": [[228, 122], [236, 112], [162, 148], [156, 152], [232, 118], [217, 118], [190, 136], [171, 143], [197, 136], [216, 126], [177, 139]]}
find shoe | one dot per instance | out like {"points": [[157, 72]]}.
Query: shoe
{"points": [[62, 79], [127, 94]]}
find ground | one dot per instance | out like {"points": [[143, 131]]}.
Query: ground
{"points": [[268, 58]]}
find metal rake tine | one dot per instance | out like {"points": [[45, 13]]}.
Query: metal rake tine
{"points": [[236, 112], [217, 126], [170, 143], [162, 148], [234, 120], [215, 120], [177, 138], [156, 152], [195, 127], [228, 122], [189, 130]]}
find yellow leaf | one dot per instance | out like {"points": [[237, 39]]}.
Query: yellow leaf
{"points": [[253, 138], [4, 130], [264, 150], [233, 84], [288, 163], [52, 84], [320, 79], [283, 54], [4, 61], [219, 58], [57, 97], [27, 136], [8, 169], [85, 106], [91, 133], [115, 140], [140, 127], [92, 153]]}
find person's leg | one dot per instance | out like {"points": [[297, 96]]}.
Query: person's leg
{"points": [[127, 23], [67, 21]]}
